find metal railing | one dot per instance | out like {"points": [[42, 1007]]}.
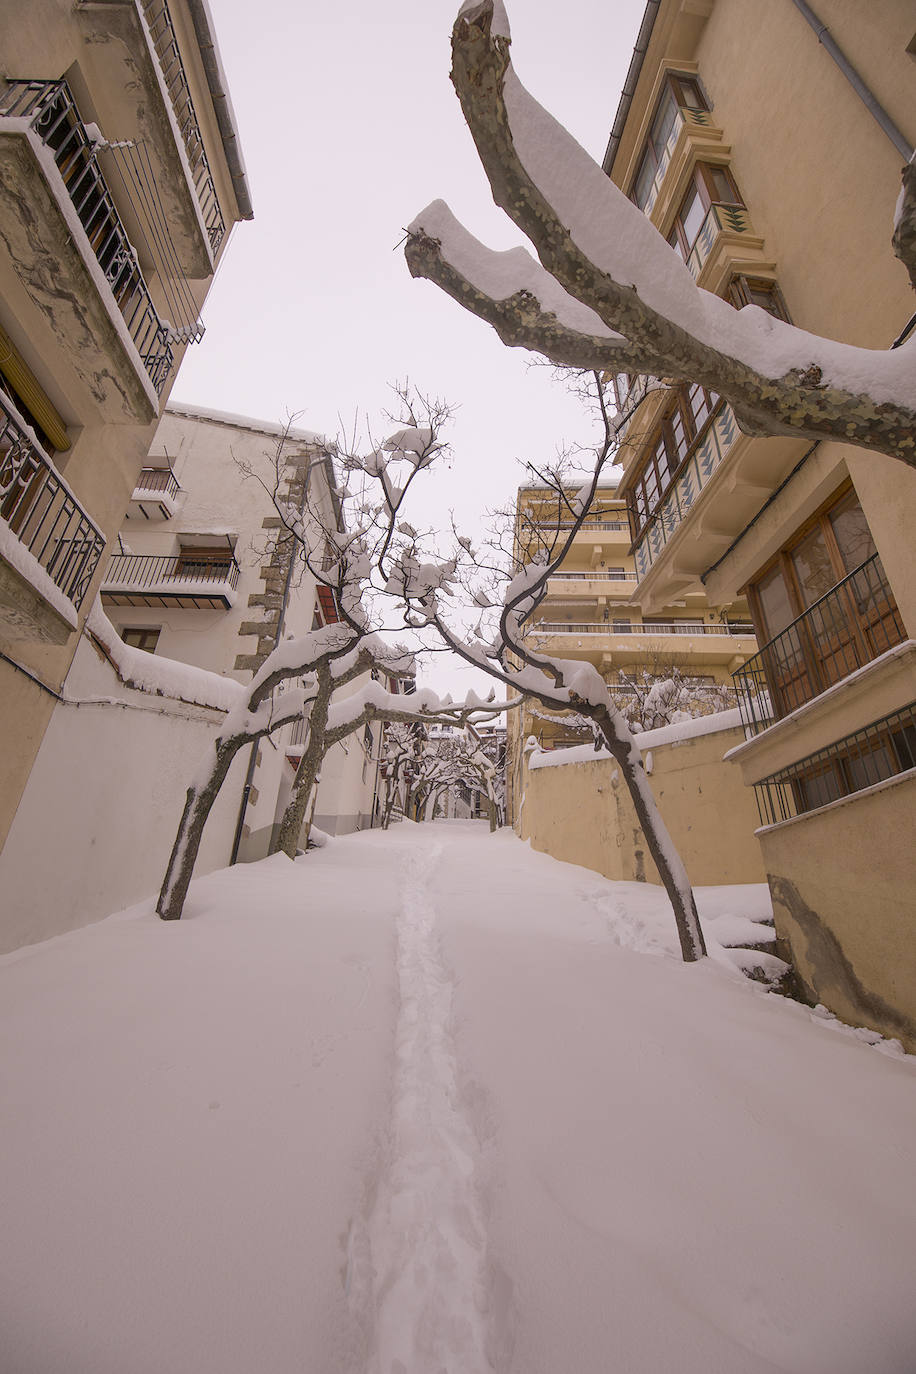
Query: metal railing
{"points": [[41, 510], [871, 755], [162, 32], [587, 524], [703, 458], [50, 107], [846, 628], [157, 479], [593, 577], [608, 627], [172, 573]]}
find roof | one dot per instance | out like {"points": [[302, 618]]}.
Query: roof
{"points": [[226, 417]]}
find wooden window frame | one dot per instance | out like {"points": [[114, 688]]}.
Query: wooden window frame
{"points": [[670, 90], [739, 294], [701, 180], [639, 505]]}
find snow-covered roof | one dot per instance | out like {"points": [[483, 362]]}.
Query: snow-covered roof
{"points": [[226, 417]]}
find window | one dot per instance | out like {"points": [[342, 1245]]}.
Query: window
{"points": [[679, 92], [204, 564], [710, 185], [757, 291], [823, 607], [142, 637], [689, 411]]}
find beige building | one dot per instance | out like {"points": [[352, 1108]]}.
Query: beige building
{"points": [[120, 180], [592, 612], [765, 144], [203, 583]]}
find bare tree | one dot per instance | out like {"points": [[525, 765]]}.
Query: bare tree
{"points": [[509, 652], [609, 294], [344, 561]]}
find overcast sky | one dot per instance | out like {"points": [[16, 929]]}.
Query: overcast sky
{"points": [[350, 126]]}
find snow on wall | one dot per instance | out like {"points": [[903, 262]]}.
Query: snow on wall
{"points": [[102, 805]]}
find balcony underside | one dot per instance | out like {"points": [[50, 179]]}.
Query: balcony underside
{"points": [[58, 298], [130, 103], [213, 599], [25, 614], [608, 651]]}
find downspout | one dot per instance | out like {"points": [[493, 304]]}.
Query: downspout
{"points": [[222, 105], [867, 96], [630, 84]]}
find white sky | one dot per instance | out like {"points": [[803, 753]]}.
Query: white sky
{"points": [[349, 127]]}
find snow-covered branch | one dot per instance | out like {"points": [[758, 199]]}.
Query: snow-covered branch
{"points": [[609, 292]]}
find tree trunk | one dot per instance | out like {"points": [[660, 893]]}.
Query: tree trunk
{"points": [[287, 839], [494, 819], [197, 807], [671, 870]]}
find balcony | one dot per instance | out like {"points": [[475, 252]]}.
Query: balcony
{"points": [[165, 43], [722, 222], [186, 580], [155, 495], [703, 458], [50, 546], [593, 577], [73, 255], [654, 629], [850, 626]]}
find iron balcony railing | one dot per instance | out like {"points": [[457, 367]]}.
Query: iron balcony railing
{"points": [[157, 479], [42, 512], [846, 628], [155, 572], [52, 112], [587, 525], [162, 32], [880, 751], [609, 627]]}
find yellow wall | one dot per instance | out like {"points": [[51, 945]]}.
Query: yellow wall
{"points": [[850, 924], [581, 813]]}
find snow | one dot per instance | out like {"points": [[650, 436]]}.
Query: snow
{"points": [[614, 234], [14, 552], [226, 417], [163, 676], [429, 1096]]}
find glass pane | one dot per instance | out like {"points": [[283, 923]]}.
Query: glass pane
{"points": [[814, 567], [852, 533], [820, 787], [675, 242], [720, 184], [693, 212], [778, 611], [644, 178], [870, 763], [689, 93], [698, 403], [663, 123], [661, 460], [679, 434]]}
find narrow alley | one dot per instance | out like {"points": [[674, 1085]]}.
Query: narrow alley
{"points": [[428, 1102]]}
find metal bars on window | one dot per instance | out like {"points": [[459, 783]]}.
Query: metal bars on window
{"points": [[855, 622], [42, 512], [879, 751]]}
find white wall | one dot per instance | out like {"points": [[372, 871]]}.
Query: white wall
{"points": [[96, 823]]}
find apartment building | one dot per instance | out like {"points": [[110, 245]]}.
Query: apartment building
{"points": [[765, 144], [592, 612], [121, 178], [204, 582]]}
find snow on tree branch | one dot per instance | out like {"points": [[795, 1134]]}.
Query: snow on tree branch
{"points": [[604, 264]]}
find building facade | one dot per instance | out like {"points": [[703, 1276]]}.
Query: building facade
{"points": [[121, 178], [203, 583], [592, 612], [766, 147]]}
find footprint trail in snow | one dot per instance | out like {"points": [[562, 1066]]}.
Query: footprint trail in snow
{"points": [[426, 1233]]}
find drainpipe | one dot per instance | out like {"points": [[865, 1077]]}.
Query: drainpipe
{"points": [[867, 96]]}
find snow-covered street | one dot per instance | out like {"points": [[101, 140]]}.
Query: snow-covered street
{"points": [[427, 1102]]}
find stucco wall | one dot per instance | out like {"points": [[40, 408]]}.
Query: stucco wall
{"points": [[581, 813], [849, 924], [97, 819]]}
